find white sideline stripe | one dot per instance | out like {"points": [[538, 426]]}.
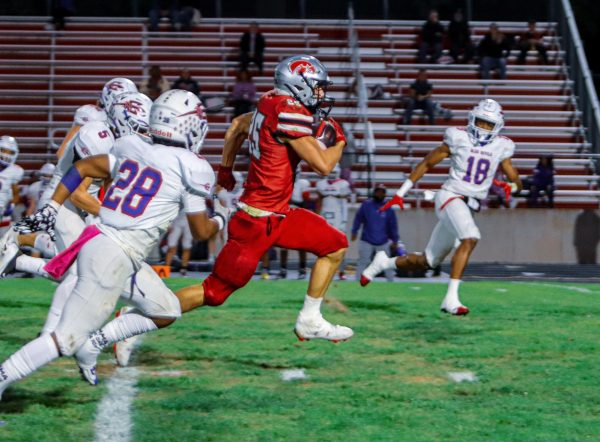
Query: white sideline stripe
{"points": [[113, 417]]}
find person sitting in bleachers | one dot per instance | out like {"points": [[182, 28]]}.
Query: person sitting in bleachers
{"points": [[187, 83], [243, 96], [252, 47], [420, 98], [167, 9], [431, 38], [531, 40], [459, 34], [493, 50], [542, 180], [155, 85]]}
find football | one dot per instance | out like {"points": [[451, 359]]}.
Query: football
{"points": [[325, 134]]}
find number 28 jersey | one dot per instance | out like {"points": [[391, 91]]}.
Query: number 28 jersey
{"points": [[472, 167], [151, 184], [270, 180]]}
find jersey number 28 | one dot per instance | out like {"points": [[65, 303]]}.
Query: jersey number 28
{"points": [[134, 190]]}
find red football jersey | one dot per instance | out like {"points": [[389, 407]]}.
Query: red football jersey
{"points": [[270, 178]]}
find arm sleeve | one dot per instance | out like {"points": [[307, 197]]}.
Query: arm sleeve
{"points": [[198, 176], [293, 120], [358, 220], [449, 137], [392, 226], [509, 149], [193, 203]]}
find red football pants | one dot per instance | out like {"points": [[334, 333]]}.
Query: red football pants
{"points": [[249, 238]]}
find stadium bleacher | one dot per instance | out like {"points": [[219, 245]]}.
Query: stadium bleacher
{"points": [[45, 75]]}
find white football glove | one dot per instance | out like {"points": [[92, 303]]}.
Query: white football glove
{"points": [[222, 212], [43, 219]]}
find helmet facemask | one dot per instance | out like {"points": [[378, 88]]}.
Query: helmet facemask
{"points": [[487, 111]]}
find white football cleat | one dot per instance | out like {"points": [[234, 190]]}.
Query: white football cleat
{"points": [[378, 265], [458, 310], [86, 358], [319, 328], [124, 348]]}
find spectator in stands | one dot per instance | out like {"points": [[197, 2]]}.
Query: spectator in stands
{"points": [[243, 96], [187, 83], [531, 40], [379, 228], [252, 47], [60, 10], [168, 9], [431, 38], [155, 85], [461, 48], [420, 98], [542, 180], [494, 49]]}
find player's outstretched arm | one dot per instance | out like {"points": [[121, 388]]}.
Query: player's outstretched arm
{"points": [[319, 160], [83, 200], [234, 139], [511, 173], [433, 158], [98, 166]]}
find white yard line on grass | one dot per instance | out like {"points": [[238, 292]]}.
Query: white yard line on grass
{"points": [[571, 288], [113, 417]]}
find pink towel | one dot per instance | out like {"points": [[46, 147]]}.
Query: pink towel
{"points": [[59, 265]]}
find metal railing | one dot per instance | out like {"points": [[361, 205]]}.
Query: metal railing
{"points": [[579, 71], [362, 96]]}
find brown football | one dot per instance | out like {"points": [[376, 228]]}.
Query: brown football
{"points": [[325, 133]]}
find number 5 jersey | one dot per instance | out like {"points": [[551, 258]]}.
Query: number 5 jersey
{"points": [[472, 167], [151, 184]]}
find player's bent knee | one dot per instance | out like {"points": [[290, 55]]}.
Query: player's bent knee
{"points": [[216, 291], [163, 322], [68, 343]]}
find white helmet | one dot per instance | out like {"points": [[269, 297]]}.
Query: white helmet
{"points": [[177, 118], [46, 172], [9, 151], [490, 111], [299, 76], [88, 113], [114, 87], [130, 114]]}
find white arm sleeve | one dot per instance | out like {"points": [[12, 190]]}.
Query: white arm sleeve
{"points": [[198, 176], [193, 203]]}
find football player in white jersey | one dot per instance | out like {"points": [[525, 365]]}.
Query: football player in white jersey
{"points": [[35, 191], [10, 175], [475, 154], [90, 112], [333, 204], [300, 191], [151, 184]]}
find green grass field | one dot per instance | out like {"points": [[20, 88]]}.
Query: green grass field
{"points": [[215, 374]]}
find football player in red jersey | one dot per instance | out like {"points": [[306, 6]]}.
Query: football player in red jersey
{"points": [[280, 135]]}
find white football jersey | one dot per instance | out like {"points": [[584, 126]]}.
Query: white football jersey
{"points": [[334, 203], [301, 185], [472, 167], [151, 184], [10, 175], [93, 138], [37, 192], [230, 199]]}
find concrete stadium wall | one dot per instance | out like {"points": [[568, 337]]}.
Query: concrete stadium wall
{"points": [[524, 235]]}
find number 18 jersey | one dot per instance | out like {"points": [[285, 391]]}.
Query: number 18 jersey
{"points": [[151, 184], [472, 167]]}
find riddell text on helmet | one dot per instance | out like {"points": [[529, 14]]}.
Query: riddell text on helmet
{"points": [[161, 133]]}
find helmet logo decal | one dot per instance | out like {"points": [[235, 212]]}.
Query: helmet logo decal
{"points": [[301, 67], [132, 106], [199, 111], [115, 86]]}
